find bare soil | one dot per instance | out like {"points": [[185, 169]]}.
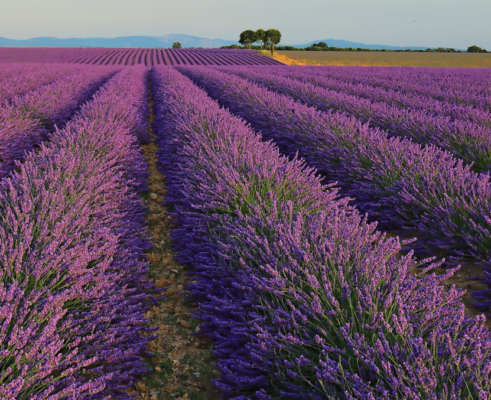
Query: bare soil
{"points": [[183, 365]]}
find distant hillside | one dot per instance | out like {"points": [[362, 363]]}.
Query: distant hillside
{"points": [[124, 41], [166, 41], [345, 44]]}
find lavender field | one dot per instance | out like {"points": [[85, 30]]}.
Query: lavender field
{"points": [[129, 57], [291, 196]]}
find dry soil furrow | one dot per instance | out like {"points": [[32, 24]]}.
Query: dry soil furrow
{"points": [[183, 365]]}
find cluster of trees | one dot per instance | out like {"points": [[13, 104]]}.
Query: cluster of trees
{"points": [[322, 46], [176, 45], [475, 49], [269, 38]]}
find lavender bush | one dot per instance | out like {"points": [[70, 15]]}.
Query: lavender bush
{"points": [[301, 296], [26, 77], [73, 290], [26, 120]]}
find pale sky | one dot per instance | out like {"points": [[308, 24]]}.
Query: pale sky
{"points": [[432, 23]]}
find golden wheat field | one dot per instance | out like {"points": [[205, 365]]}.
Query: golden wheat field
{"points": [[467, 60]]}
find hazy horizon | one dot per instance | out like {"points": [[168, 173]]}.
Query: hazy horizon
{"points": [[431, 23]]}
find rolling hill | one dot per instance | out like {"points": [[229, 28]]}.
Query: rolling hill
{"points": [[166, 41]]}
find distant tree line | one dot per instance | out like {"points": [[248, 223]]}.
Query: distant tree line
{"points": [[269, 39], [316, 47], [248, 38], [475, 49]]}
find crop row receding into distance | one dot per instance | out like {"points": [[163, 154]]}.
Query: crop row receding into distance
{"points": [[129, 57]]}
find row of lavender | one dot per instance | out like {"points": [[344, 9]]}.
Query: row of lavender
{"points": [[152, 57], [128, 57], [435, 95], [17, 79], [302, 298], [459, 84], [74, 290], [464, 131], [27, 119], [406, 183]]}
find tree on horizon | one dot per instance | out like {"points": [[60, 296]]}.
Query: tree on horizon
{"points": [[260, 36], [247, 38], [475, 49], [272, 38]]}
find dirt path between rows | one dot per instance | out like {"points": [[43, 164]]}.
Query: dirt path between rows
{"points": [[183, 365]]}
